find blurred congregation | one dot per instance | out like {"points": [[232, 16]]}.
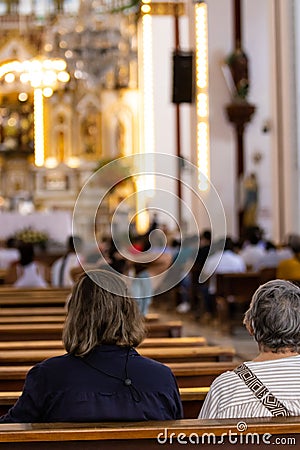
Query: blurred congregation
{"points": [[158, 264]]}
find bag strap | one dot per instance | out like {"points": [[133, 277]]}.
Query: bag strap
{"points": [[261, 392]]}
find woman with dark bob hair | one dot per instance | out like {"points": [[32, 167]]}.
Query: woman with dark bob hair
{"points": [[269, 385], [101, 377]]}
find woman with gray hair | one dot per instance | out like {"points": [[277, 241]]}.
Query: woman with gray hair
{"points": [[269, 385], [101, 377]]}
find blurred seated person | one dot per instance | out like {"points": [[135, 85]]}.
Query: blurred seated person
{"points": [[157, 266], [140, 287], [226, 261], [116, 260], [269, 260], [273, 319], [99, 253], [8, 254], [101, 377], [197, 288], [157, 263], [285, 250], [222, 261], [27, 272], [252, 252], [289, 269], [61, 268]]}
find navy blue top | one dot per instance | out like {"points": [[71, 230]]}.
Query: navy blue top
{"points": [[71, 389]]}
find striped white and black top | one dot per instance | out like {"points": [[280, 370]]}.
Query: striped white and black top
{"points": [[229, 397]]}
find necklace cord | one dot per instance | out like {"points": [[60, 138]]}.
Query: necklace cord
{"points": [[136, 396]]}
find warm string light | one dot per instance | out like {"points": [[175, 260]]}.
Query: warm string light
{"points": [[43, 75], [39, 127], [148, 84], [202, 106], [146, 183], [38, 72]]}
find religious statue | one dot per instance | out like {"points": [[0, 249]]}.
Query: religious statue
{"points": [[238, 65], [12, 6], [250, 191], [59, 5]]}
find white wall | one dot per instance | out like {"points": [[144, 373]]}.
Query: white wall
{"points": [[257, 43], [259, 33], [270, 77], [164, 110], [222, 135]]}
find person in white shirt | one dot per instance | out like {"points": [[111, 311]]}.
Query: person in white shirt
{"points": [[269, 260], [26, 272], [253, 252], [62, 267], [269, 385], [8, 254], [226, 261]]}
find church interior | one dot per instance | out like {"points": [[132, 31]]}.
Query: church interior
{"points": [[144, 127]]}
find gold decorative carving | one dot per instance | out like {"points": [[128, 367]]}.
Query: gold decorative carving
{"points": [[166, 9]]}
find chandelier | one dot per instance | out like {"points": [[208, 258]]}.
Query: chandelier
{"points": [[94, 37], [100, 39]]}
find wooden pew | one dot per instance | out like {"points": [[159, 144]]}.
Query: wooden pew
{"points": [[197, 373], [192, 399], [172, 435], [182, 341], [33, 311], [33, 301], [148, 342], [5, 320], [46, 318], [234, 289], [10, 296], [12, 377], [45, 331], [49, 292], [172, 328], [164, 354]]}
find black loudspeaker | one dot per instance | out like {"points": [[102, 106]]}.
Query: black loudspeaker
{"points": [[183, 77]]}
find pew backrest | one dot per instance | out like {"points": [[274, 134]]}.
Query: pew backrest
{"points": [[208, 434], [44, 331], [164, 354]]}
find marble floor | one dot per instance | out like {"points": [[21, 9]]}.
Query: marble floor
{"points": [[245, 346]]}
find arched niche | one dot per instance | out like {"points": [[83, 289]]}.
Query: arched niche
{"points": [[89, 127]]}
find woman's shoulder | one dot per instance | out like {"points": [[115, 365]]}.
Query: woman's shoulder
{"points": [[224, 380], [152, 365], [55, 363]]}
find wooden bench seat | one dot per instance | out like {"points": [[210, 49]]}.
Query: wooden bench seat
{"points": [[47, 318], [32, 301], [10, 291], [188, 434], [164, 354], [198, 373], [148, 342], [4, 320], [45, 331], [33, 311], [234, 290]]}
